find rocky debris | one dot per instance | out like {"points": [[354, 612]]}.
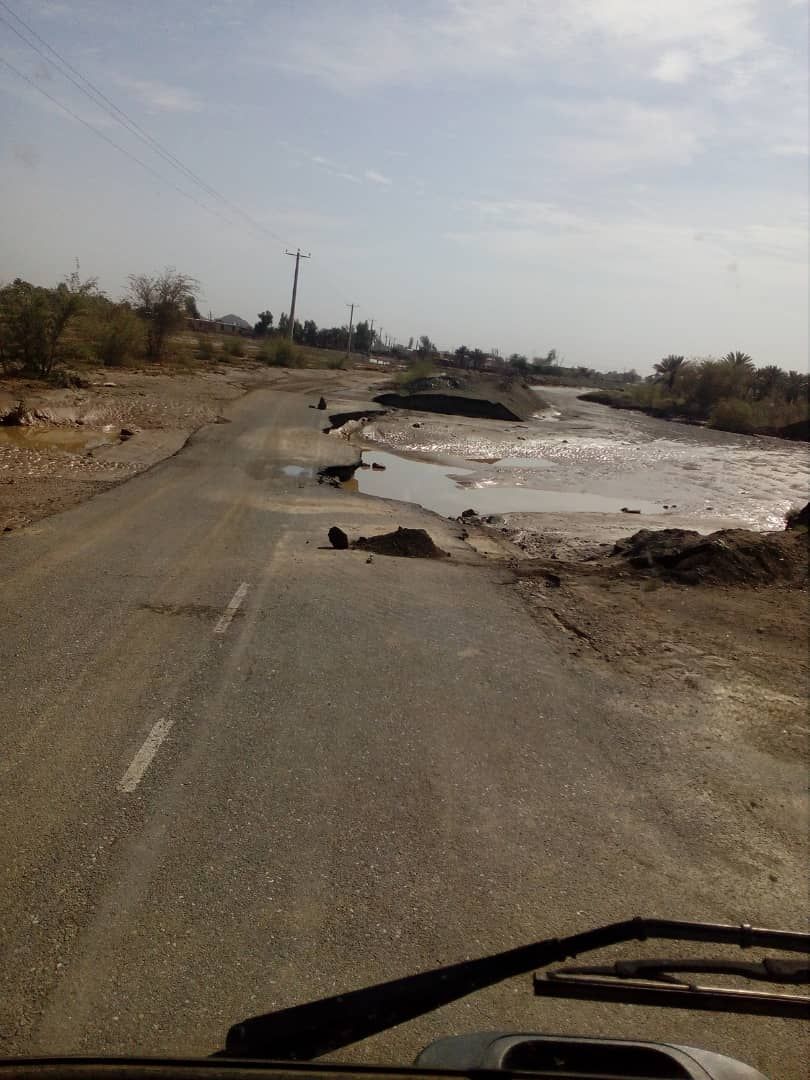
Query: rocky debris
{"points": [[416, 425], [16, 416], [337, 420], [345, 431], [338, 538], [729, 556], [376, 465], [797, 519], [336, 474], [405, 543], [125, 433], [466, 514], [627, 510], [322, 403]]}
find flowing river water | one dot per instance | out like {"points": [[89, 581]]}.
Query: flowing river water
{"points": [[578, 456]]}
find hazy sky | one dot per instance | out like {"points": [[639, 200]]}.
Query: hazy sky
{"points": [[615, 178]]}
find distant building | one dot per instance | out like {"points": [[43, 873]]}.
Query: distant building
{"points": [[234, 320], [228, 324]]}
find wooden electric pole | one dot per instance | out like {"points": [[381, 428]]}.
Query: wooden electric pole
{"points": [[351, 323], [297, 256]]}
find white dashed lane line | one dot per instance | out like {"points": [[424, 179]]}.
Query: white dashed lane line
{"points": [[231, 609], [143, 759]]}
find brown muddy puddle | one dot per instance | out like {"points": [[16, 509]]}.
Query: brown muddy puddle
{"points": [[69, 440]]}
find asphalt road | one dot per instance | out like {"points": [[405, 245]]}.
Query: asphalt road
{"points": [[240, 770]]}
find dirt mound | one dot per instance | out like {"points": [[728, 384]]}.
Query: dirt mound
{"points": [[407, 543], [730, 556], [471, 394], [800, 431], [798, 519], [450, 405]]}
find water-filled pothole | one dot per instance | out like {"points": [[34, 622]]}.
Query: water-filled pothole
{"points": [[449, 490], [71, 440]]}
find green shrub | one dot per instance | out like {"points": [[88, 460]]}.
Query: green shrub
{"points": [[418, 370], [732, 414], [234, 347], [66, 379], [337, 363], [280, 353], [117, 336], [205, 349]]}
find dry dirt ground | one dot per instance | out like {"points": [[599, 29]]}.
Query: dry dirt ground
{"points": [[75, 450], [733, 658]]}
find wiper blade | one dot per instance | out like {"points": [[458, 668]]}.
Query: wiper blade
{"points": [[768, 969], [673, 995], [306, 1031]]}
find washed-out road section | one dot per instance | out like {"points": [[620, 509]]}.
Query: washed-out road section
{"points": [[241, 769]]}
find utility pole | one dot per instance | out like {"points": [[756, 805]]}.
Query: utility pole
{"points": [[371, 338], [297, 256], [351, 322]]}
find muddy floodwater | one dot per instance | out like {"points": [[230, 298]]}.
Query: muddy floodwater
{"points": [[71, 440], [577, 456]]}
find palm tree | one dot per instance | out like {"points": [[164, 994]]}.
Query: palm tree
{"points": [[669, 368], [739, 360], [797, 385], [767, 381]]}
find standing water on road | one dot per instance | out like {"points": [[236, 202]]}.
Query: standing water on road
{"points": [[582, 457]]}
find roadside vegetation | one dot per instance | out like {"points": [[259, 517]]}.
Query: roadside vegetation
{"points": [[729, 394], [56, 333]]}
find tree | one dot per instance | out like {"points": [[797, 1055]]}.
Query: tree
{"points": [[410, 344], [160, 300], [116, 334], [739, 360], [797, 386], [669, 369], [741, 368], [767, 381], [362, 337], [310, 332], [283, 323], [426, 346], [518, 362], [190, 307], [264, 324], [34, 320]]}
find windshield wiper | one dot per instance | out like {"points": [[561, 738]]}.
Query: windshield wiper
{"points": [[652, 982], [319, 1027], [768, 969]]}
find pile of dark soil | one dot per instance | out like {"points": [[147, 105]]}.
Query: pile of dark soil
{"points": [[471, 394], [730, 556], [407, 543], [799, 519]]}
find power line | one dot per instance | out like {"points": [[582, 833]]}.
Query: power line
{"points": [[107, 139], [101, 100]]}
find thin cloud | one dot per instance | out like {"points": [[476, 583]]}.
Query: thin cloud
{"points": [[162, 97], [675, 66], [376, 177]]}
